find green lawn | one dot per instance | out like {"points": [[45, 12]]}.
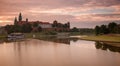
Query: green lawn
{"points": [[37, 35], [102, 38], [2, 36], [30, 35]]}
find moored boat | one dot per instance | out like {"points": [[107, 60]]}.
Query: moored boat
{"points": [[16, 35]]}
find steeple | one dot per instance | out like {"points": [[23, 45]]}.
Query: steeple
{"points": [[15, 21], [20, 17], [26, 19]]}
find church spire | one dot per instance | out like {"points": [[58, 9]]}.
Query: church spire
{"points": [[20, 17], [15, 21]]}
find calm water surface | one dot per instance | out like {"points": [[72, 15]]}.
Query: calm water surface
{"points": [[34, 52]]}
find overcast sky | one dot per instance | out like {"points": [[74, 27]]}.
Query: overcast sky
{"points": [[81, 13]]}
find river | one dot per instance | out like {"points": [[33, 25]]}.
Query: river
{"points": [[63, 52]]}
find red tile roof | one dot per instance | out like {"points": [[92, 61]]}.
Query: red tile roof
{"points": [[31, 22]]}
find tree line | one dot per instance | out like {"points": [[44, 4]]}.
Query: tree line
{"points": [[26, 28], [111, 28], [56, 24]]}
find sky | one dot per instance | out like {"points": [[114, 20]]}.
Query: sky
{"points": [[80, 13]]}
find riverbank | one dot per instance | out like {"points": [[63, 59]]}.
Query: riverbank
{"points": [[103, 38], [41, 34], [50, 33], [2, 36]]}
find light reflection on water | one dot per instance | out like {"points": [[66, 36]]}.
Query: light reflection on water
{"points": [[62, 52]]}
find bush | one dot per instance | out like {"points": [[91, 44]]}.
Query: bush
{"points": [[50, 33]]}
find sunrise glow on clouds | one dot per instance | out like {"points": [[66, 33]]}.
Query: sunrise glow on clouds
{"points": [[74, 11]]}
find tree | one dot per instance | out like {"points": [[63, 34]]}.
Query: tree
{"points": [[55, 24], [35, 24], [106, 29], [103, 29], [17, 28], [15, 21], [59, 25], [20, 17], [39, 29], [111, 27], [26, 28], [65, 25], [9, 29], [97, 30], [13, 28], [117, 29], [74, 29], [68, 24]]}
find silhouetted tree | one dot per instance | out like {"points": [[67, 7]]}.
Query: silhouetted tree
{"points": [[55, 23], [106, 29], [17, 28], [35, 24], [59, 25], [65, 25], [68, 24], [103, 29], [97, 30], [111, 27], [13, 28], [26, 28], [39, 29], [117, 29], [9, 29], [74, 29]]}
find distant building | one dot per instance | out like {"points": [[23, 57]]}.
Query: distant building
{"points": [[41, 24], [46, 26]]}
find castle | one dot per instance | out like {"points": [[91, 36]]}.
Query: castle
{"points": [[46, 26]]}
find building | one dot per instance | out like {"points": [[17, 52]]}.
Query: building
{"points": [[46, 26]]}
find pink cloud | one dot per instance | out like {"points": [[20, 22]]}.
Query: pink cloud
{"points": [[61, 10]]}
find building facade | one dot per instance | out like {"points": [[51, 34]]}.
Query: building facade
{"points": [[46, 26]]}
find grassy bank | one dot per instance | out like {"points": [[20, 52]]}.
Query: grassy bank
{"points": [[80, 33], [3, 36], [40, 34], [107, 38], [37, 35]]}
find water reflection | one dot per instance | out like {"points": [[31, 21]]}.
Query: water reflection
{"points": [[58, 39], [9, 40], [5, 40], [34, 52], [114, 47], [108, 46]]}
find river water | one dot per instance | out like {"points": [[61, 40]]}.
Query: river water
{"points": [[63, 52]]}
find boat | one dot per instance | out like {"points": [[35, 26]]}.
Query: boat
{"points": [[16, 35]]}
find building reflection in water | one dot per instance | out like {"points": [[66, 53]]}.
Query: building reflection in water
{"points": [[58, 39], [107, 46]]}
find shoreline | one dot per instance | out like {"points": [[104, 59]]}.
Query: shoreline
{"points": [[102, 38]]}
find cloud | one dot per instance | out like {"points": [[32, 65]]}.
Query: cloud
{"points": [[98, 17], [61, 10]]}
